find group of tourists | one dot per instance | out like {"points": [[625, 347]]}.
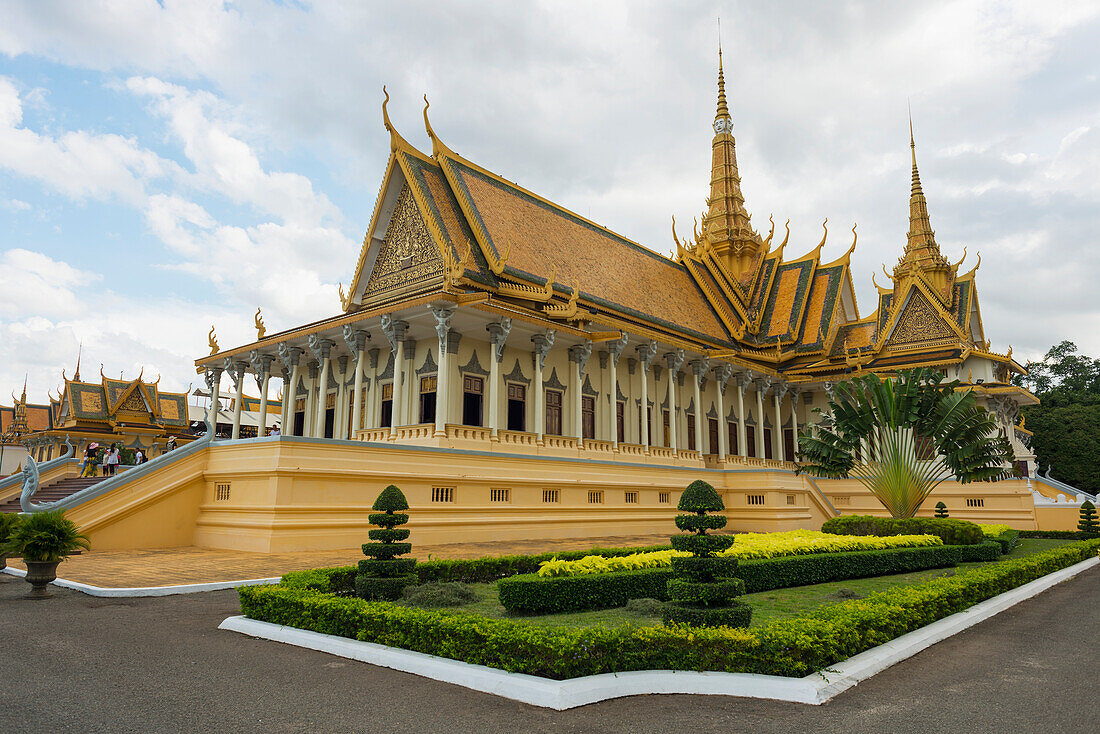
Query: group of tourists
{"points": [[109, 459]]}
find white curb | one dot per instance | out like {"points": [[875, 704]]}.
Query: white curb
{"points": [[565, 694], [137, 591]]}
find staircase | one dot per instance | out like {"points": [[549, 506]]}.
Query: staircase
{"points": [[53, 491]]}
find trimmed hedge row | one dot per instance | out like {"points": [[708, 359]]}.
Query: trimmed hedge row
{"points": [[534, 594], [794, 647], [1057, 534], [341, 579], [950, 531], [1008, 540]]}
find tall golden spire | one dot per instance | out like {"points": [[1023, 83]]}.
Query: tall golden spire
{"points": [[726, 226], [921, 251], [920, 228], [76, 375]]}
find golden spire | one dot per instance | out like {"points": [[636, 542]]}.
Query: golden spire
{"points": [[79, 350], [727, 230], [723, 109], [921, 251], [920, 228]]}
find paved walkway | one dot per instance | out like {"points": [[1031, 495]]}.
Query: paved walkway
{"points": [[80, 664], [170, 566]]}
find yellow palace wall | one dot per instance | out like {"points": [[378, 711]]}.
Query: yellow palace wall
{"points": [[290, 494]]}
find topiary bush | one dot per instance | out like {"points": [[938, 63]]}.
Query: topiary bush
{"points": [[704, 589], [1088, 522], [941, 509], [384, 576]]}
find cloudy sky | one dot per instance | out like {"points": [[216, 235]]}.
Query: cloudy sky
{"points": [[165, 166]]}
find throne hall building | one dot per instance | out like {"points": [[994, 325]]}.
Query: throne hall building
{"points": [[522, 372]]}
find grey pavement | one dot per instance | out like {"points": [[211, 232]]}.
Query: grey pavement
{"points": [[81, 664]]}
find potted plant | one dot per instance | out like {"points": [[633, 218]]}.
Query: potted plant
{"points": [[44, 539], [8, 521]]}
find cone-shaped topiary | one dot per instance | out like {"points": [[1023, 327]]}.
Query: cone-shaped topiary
{"points": [[384, 576], [704, 589], [941, 509], [1088, 523]]}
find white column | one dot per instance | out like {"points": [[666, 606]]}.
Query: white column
{"points": [[543, 343], [742, 441], [498, 335], [777, 432], [794, 419], [722, 375], [322, 351], [340, 422], [443, 316], [291, 358], [699, 369], [262, 366], [214, 380], [646, 353], [761, 388], [309, 382], [236, 373], [395, 334], [357, 397], [578, 355], [674, 360], [614, 350]]}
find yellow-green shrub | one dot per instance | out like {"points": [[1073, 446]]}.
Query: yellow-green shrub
{"points": [[749, 546]]}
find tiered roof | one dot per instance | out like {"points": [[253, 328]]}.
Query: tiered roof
{"points": [[728, 292]]}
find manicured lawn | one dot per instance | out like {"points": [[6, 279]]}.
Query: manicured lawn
{"points": [[767, 605]]}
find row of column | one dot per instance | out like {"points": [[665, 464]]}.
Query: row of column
{"points": [[315, 379]]}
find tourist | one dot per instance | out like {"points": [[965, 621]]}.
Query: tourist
{"points": [[171, 443], [90, 460], [139, 457], [112, 461], [274, 430]]}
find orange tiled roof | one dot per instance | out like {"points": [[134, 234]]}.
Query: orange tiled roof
{"points": [[541, 239]]}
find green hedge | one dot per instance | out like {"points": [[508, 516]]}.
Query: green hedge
{"points": [[950, 531], [534, 594], [1056, 534], [1008, 540], [794, 647], [341, 579]]}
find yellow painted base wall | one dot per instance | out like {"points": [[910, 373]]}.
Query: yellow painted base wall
{"points": [[1058, 518], [291, 494]]}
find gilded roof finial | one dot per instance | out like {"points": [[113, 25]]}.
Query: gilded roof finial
{"points": [[211, 338], [79, 350], [723, 109], [258, 319]]}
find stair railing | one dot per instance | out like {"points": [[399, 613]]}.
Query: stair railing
{"points": [[30, 481], [15, 479]]}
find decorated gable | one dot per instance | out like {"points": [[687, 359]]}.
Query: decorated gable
{"points": [[919, 322], [408, 260]]}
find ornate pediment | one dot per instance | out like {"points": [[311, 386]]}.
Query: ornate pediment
{"points": [[408, 259], [919, 321]]}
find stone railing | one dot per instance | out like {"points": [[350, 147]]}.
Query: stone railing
{"points": [[689, 454], [518, 438], [600, 447], [559, 442], [468, 433], [414, 432], [376, 435], [632, 449], [662, 452]]}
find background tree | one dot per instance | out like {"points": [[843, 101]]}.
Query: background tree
{"points": [[1067, 422], [902, 437]]}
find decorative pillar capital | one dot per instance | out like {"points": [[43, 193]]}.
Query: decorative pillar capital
{"points": [[722, 374], [646, 352], [289, 356], [580, 353], [394, 331], [762, 385], [781, 388], [498, 335], [543, 343], [443, 316], [674, 360], [699, 368], [616, 347], [321, 348], [355, 339]]}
